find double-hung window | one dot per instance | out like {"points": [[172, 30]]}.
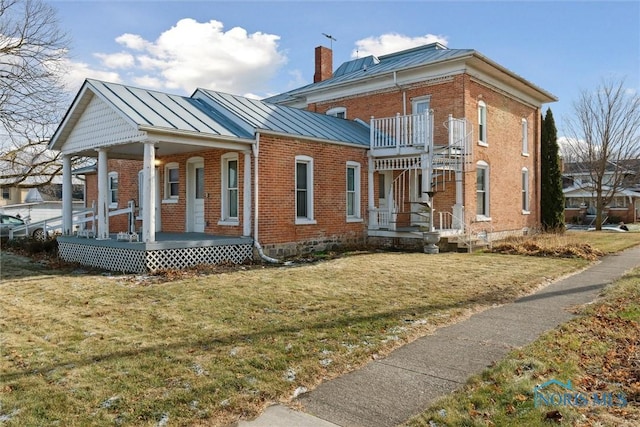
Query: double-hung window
{"points": [[113, 189], [171, 182], [230, 188], [525, 137], [482, 191], [482, 123], [353, 191], [525, 191], [304, 190]]}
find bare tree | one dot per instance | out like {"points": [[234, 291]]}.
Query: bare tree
{"points": [[32, 52], [604, 139]]}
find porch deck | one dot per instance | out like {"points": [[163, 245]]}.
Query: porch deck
{"points": [[169, 251]]}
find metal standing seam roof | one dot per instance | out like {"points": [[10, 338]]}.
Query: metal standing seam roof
{"points": [[262, 115], [355, 69], [218, 114], [158, 109]]}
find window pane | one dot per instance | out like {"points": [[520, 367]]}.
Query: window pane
{"points": [[232, 176], [481, 180], [301, 176], [174, 175], [301, 203], [351, 179], [173, 191], [199, 183], [351, 203], [233, 203], [481, 203]]}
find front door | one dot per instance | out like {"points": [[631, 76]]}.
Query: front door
{"points": [[385, 179], [195, 197]]}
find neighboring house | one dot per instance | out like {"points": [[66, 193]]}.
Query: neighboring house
{"points": [[36, 203], [580, 194], [205, 178]]}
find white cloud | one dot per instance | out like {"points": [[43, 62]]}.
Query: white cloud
{"points": [[392, 42], [74, 74], [116, 60], [195, 54], [132, 41]]}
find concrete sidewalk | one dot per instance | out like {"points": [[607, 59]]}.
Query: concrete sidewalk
{"points": [[389, 391]]}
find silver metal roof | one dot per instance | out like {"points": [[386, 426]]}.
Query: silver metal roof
{"points": [[354, 70], [260, 115], [207, 112], [158, 109]]}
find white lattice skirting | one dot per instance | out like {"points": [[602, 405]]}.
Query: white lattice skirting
{"points": [[143, 261]]}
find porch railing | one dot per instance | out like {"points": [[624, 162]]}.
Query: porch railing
{"points": [[413, 131]]}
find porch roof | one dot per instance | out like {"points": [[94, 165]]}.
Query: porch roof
{"points": [[121, 117]]}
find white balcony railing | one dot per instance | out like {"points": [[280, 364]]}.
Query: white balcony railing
{"points": [[402, 133]]}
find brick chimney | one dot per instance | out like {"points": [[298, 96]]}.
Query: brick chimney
{"points": [[324, 64]]}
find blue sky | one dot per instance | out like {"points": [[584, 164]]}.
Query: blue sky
{"points": [[259, 48]]}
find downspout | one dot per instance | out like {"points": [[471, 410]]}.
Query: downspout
{"points": [[256, 150], [404, 93]]}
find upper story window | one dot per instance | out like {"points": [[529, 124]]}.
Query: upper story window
{"points": [[353, 191], [113, 189], [525, 191], [171, 181], [482, 123], [421, 104], [229, 194], [339, 112], [525, 137], [304, 190], [482, 190]]}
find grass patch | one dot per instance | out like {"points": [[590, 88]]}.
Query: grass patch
{"points": [[86, 348], [598, 352]]}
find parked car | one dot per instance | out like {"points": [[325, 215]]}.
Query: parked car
{"points": [[8, 222]]}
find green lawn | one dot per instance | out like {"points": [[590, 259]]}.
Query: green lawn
{"points": [[80, 348]]}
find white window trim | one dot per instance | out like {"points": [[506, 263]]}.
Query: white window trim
{"points": [[337, 110], [418, 100], [310, 219], [487, 216], [525, 137], [357, 217], [224, 187], [526, 210], [482, 139], [167, 197], [112, 204]]}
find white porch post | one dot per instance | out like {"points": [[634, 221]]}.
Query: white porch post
{"points": [[246, 198], [373, 215], [67, 201], [149, 199], [103, 195]]}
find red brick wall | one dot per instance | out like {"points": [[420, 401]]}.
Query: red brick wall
{"points": [[459, 96], [277, 230], [505, 158]]}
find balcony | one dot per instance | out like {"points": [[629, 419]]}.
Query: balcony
{"points": [[402, 135]]}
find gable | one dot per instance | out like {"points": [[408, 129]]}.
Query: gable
{"points": [[100, 126]]}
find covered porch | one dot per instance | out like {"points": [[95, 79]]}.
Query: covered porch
{"points": [[154, 132]]}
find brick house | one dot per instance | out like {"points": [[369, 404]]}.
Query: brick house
{"points": [[420, 142]]}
